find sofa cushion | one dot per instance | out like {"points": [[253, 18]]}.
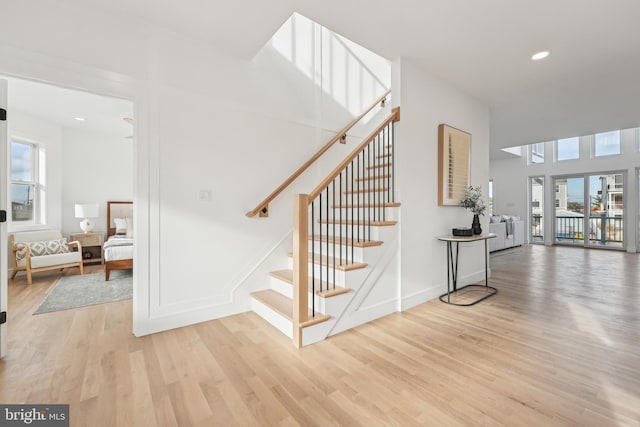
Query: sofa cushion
{"points": [[41, 248], [35, 236], [56, 259]]}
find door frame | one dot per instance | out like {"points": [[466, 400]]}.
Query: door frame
{"points": [[3, 226]]}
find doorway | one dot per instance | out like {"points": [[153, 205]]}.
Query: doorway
{"points": [[85, 148]]}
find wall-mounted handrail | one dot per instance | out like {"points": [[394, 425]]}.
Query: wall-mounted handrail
{"points": [[394, 117], [263, 207]]}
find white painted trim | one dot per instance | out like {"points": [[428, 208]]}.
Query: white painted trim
{"points": [[4, 204], [433, 292], [421, 297], [148, 326], [288, 237]]}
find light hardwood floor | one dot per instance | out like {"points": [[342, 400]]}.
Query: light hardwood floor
{"points": [[559, 345]]}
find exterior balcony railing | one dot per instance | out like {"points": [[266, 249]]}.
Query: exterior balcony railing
{"points": [[602, 229]]}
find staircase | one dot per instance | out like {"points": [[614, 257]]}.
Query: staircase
{"points": [[345, 231]]}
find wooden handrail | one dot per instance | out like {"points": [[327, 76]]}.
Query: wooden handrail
{"points": [[394, 117], [263, 206]]}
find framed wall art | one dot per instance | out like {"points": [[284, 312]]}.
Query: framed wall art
{"points": [[454, 164]]}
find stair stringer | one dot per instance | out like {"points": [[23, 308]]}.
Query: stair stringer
{"points": [[352, 309]]}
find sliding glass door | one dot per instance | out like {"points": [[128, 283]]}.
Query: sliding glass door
{"points": [[536, 209], [606, 213], [589, 210], [569, 210]]}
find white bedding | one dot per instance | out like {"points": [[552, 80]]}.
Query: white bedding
{"points": [[117, 248]]}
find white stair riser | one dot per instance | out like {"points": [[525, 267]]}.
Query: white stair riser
{"points": [[323, 305], [282, 287], [340, 276], [344, 279], [358, 254], [280, 322], [286, 289], [349, 231], [333, 306], [382, 214]]}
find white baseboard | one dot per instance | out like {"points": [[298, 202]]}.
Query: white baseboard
{"points": [[153, 325], [433, 292]]}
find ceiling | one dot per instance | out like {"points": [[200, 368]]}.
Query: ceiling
{"points": [[61, 106], [590, 82]]}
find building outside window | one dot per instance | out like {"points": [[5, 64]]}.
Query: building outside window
{"points": [[536, 153], [568, 149], [606, 144], [490, 197], [28, 189]]}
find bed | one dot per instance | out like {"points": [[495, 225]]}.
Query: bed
{"points": [[118, 249]]}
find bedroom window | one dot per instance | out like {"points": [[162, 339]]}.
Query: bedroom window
{"points": [[28, 189]]}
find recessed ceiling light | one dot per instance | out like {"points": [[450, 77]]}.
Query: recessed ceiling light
{"points": [[80, 119], [540, 55]]}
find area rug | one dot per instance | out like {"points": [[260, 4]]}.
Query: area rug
{"points": [[87, 289]]}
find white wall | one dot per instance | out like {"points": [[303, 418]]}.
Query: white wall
{"points": [[427, 102], [510, 180], [209, 121], [97, 168], [205, 120]]}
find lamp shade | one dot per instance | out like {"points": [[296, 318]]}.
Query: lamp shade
{"points": [[87, 211]]}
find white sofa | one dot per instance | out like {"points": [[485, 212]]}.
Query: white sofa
{"points": [[509, 232]]}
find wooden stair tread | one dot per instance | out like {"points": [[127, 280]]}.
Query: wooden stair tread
{"points": [[287, 277], [367, 190], [363, 223], [284, 306], [324, 261], [369, 205], [381, 165], [275, 301], [374, 178], [346, 241]]}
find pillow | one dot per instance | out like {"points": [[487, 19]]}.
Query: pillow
{"points": [[41, 248], [121, 225], [495, 219], [129, 222]]}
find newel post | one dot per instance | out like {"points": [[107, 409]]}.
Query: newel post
{"points": [[300, 266]]}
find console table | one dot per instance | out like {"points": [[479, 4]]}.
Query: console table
{"points": [[452, 269]]}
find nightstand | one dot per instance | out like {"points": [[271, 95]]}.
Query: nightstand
{"points": [[91, 246]]}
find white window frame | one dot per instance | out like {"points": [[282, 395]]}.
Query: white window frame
{"points": [[594, 145], [38, 180], [557, 149], [490, 192], [532, 152]]}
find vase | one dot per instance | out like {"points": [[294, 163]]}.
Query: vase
{"points": [[475, 225]]}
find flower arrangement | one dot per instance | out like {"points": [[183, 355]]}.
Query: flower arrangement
{"points": [[473, 201]]}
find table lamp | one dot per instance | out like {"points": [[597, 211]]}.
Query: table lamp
{"points": [[87, 211]]}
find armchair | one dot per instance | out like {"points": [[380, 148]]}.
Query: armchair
{"points": [[35, 251]]}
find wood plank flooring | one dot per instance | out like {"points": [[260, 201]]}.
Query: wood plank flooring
{"points": [[559, 345]]}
